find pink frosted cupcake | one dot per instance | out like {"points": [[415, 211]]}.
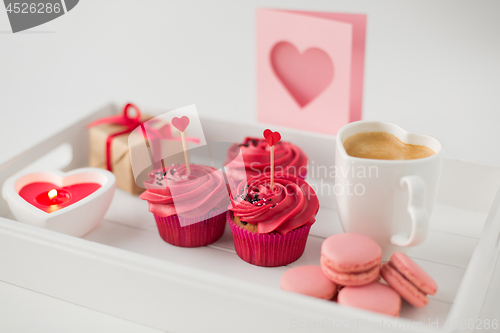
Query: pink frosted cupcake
{"points": [[190, 210], [270, 228], [254, 159]]}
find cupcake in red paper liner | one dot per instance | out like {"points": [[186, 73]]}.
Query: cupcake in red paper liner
{"points": [[254, 159], [189, 209], [270, 227]]}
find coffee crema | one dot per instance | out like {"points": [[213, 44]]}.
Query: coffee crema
{"points": [[383, 146]]}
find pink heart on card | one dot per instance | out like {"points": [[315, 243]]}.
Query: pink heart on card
{"points": [[180, 123], [305, 75]]}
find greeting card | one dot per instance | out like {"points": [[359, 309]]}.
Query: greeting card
{"points": [[310, 69]]}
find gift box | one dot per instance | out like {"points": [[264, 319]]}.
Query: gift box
{"points": [[109, 145]]}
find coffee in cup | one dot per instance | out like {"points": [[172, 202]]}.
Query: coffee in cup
{"points": [[383, 146]]}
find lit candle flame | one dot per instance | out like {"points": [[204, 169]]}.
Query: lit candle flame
{"points": [[52, 194]]}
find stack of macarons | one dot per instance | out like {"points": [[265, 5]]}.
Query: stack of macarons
{"points": [[351, 265]]}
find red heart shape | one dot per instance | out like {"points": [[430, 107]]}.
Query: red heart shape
{"points": [[78, 192], [180, 123], [271, 137], [305, 75]]}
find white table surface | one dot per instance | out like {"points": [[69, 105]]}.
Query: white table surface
{"points": [[22, 310]]}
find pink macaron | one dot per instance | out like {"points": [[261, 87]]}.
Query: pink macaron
{"points": [[375, 296], [308, 280], [351, 259], [408, 279]]}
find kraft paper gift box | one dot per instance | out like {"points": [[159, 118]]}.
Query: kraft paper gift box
{"points": [[310, 69], [119, 151]]}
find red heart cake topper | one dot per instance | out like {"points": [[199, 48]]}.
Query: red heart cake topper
{"points": [[180, 123], [271, 137]]}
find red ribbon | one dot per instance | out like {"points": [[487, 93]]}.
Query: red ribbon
{"points": [[124, 120], [130, 124]]}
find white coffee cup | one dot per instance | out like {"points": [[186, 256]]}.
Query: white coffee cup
{"points": [[389, 201]]}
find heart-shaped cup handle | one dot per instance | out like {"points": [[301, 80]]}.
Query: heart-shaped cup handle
{"points": [[418, 213]]}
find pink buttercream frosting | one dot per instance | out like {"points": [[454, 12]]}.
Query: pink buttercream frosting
{"points": [[291, 204], [254, 159], [190, 195]]}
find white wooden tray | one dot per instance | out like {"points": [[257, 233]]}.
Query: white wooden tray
{"points": [[123, 268]]}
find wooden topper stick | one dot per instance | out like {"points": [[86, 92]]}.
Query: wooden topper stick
{"points": [[272, 167], [181, 124], [186, 156], [272, 138]]}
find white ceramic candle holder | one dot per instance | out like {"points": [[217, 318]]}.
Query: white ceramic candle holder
{"points": [[77, 219]]}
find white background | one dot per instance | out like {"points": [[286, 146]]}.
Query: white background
{"points": [[431, 67]]}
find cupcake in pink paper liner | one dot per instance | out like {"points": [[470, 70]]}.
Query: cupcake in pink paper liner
{"points": [[270, 227], [255, 159], [189, 209]]}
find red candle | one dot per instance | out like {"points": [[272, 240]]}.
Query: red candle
{"points": [[50, 198], [53, 197]]}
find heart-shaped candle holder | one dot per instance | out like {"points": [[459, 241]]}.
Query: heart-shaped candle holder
{"points": [[72, 203]]}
